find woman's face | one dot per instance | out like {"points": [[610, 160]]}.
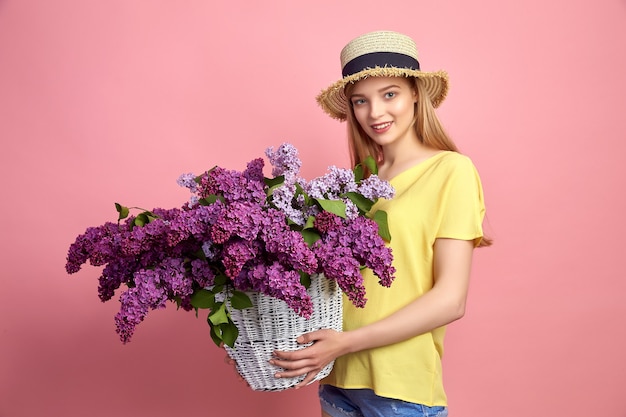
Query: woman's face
{"points": [[384, 108]]}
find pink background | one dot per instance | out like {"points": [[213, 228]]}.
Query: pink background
{"points": [[110, 101]]}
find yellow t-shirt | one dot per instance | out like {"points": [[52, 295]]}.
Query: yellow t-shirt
{"points": [[440, 197]]}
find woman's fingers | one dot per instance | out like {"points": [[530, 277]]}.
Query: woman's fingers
{"points": [[230, 361], [292, 368], [296, 368], [306, 381], [311, 360], [310, 372]]}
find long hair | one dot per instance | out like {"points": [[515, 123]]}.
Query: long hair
{"points": [[427, 125]]}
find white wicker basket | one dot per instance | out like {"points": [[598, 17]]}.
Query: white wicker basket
{"points": [[271, 325]]}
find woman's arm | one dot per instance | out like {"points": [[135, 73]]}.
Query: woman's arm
{"points": [[443, 304]]}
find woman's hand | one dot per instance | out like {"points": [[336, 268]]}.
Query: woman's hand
{"points": [[327, 346], [444, 303], [230, 361]]}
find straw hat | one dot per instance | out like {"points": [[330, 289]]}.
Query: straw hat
{"points": [[379, 54]]}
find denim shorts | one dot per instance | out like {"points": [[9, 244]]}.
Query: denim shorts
{"points": [[339, 402]]}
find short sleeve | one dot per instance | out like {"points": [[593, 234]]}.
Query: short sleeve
{"points": [[461, 205]]}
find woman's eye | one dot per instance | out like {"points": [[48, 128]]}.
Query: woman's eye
{"points": [[390, 94], [358, 101]]}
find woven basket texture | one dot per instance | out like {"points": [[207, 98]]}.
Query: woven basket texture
{"points": [[271, 325]]}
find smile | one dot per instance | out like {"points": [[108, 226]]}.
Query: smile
{"points": [[381, 126]]}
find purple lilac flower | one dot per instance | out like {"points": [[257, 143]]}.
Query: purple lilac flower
{"points": [[236, 254], [370, 249], [284, 199], [174, 277], [202, 273], [242, 281], [374, 188], [130, 315], [208, 250], [153, 287], [231, 185], [80, 251], [254, 170], [331, 185], [285, 161], [240, 219], [193, 200], [287, 245], [327, 222], [98, 245], [358, 241], [147, 295], [242, 235], [275, 281], [200, 219], [188, 181], [352, 211], [150, 236], [340, 265], [114, 274]]}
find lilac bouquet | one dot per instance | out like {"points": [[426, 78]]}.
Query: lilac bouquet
{"points": [[242, 232]]}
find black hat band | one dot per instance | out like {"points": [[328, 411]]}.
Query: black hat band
{"points": [[379, 59]]}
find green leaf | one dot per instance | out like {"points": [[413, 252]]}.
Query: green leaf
{"points": [[358, 173], [363, 203], [310, 222], [144, 218], [273, 182], [217, 339], [208, 200], [220, 279], [310, 236], [226, 333], [337, 207], [219, 315], [123, 211], [240, 300], [300, 192], [305, 279], [370, 163], [229, 333], [380, 217], [203, 299], [293, 225]]}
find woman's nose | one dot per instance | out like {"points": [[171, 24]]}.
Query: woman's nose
{"points": [[376, 109]]}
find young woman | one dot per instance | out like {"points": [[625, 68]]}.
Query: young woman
{"points": [[388, 358]]}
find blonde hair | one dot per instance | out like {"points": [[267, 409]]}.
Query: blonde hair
{"points": [[428, 127]]}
